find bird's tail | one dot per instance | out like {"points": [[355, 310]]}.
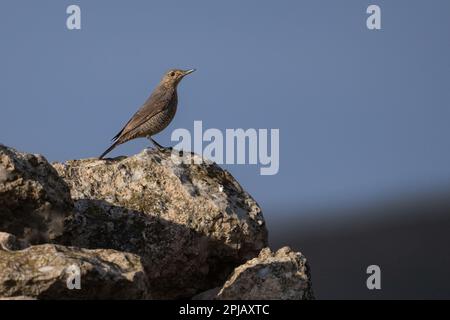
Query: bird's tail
{"points": [[115, 144]]}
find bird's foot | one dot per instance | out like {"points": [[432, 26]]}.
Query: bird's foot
{"points": [[164, 149], [159, 147]]}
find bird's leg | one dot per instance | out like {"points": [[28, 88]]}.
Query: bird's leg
{"points": [[156, 144]]}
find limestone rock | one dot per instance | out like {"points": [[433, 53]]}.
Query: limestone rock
{"points": [[283, 275], [18, 298], [191, 223], [142, 227], [34, 200], [42, 272]]}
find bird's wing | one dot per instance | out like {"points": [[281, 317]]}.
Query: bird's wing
{"points": [[156, 103]]}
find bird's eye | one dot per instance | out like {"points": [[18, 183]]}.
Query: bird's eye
{"points": [[172, 74]]}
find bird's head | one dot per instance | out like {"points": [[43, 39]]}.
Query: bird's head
{"points": [[174, 76]]}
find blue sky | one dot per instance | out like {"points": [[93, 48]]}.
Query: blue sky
{"points": [[362, 114]]}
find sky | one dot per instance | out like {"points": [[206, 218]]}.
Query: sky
{"points": [[362, 114]]}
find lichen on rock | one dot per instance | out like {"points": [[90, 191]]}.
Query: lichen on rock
{"points": [[139, 227], [41, 271], [281, 275], [190, 219], [34, 200]]}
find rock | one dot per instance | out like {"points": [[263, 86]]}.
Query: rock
{"points": [[42, 272], [10, 242], [18, 298], [142, 227], [190, 223], [210, 294], [283, 275], [34, 200]]}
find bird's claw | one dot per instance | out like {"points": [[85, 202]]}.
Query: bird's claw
{"points": [[162, 149]]}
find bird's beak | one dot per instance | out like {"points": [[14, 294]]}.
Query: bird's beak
{"points": [[188, 72]]}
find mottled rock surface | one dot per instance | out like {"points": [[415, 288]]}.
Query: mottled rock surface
{"points": [[18, 298], [34, 200], [191, 223], [142, 227], [283, 275], [42, 272]]}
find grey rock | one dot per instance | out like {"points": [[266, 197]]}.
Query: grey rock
{"points": [[283, 275], [142, 227], [42, 271], [34, 200], [18, 298], [190, 223]]}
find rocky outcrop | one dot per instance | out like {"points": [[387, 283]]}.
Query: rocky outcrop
{"points": [[283, 275], [193, 220], [142, 227], [43, 272], [34, 200]]}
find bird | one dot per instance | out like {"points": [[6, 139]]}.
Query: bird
{"points": [[155, 114]]}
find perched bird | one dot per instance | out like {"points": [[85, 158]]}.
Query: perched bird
{"points": [[155, 114]]}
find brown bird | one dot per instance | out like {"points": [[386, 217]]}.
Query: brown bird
{"points": [[155, 114]]}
